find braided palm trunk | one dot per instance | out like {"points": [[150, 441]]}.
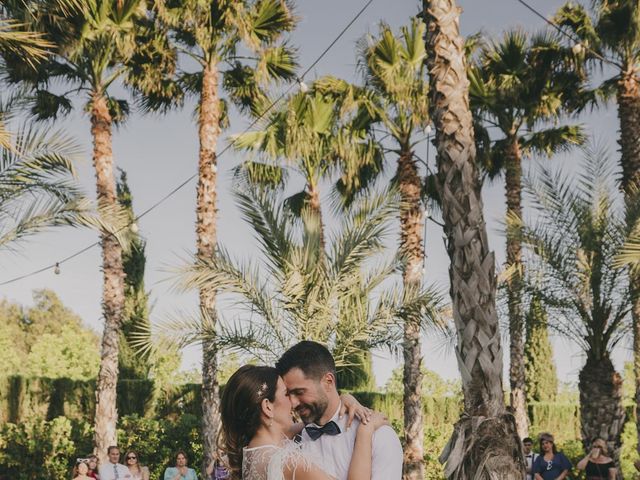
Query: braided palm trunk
{"points": [[316, 209], [513, 184], [113, 297], [206, 233], [628, 97], [485, 422], [412, 250], [601, 411]]}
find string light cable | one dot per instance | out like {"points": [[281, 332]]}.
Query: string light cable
{"points": [[576, 41], [299, 81]]}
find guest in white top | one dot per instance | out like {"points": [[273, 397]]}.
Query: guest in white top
{"points": [[309, 373], [113, 470], [529, 457]]}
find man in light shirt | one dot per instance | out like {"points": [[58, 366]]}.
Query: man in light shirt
{"points": [[529, 457], [309, 372], [113, 470]]}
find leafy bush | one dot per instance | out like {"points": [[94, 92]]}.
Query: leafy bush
{"points": [[157, 441], [36, 450]]}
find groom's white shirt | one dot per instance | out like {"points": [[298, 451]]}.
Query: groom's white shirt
{"points": [[334, 451]]}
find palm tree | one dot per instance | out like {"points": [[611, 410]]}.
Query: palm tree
{"points": [[472, 271], [394, 71], [610, 31], [211, 34], [290, 295], [37, 185], [579, 232], [315, 135], [394, 97], [97, 43], [518, 86], [15, 39]]}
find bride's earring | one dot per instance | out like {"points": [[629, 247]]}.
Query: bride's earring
{"points": [[271, 421]]}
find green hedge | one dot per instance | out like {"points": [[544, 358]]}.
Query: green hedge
{"points": [[51, 419], [22, 398]]}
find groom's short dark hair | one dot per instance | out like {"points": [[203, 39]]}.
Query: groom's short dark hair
{"points": [[311, 357]]}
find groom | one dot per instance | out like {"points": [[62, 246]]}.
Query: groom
{"points": [[309, 372]]}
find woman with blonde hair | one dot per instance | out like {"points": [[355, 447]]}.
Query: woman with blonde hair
{"points": [[597, 464]]}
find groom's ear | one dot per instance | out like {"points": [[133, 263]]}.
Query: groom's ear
{"points": [[330, 380]]}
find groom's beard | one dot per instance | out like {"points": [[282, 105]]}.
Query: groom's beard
{"points": [[312, 412]]}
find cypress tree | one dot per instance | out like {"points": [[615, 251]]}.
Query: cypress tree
{"points": [[136, 308], [358, 376], [540, 369]]}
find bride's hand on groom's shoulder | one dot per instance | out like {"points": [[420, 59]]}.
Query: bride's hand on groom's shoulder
{"points": [[354, 409], [376, 421]]}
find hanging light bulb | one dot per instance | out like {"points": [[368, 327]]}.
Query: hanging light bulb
{"points": [[56, 269], [577, 49], [134, 227], [303, 86]]}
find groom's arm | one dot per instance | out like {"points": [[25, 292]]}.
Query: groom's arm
{"points": [[387, 455]]}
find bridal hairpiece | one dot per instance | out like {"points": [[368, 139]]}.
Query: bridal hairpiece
{"points": [[262, 390]]}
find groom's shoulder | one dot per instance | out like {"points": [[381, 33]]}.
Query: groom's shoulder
{"points": [[386, 437]]}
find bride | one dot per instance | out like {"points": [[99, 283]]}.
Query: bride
{"points": [[258, 430]]}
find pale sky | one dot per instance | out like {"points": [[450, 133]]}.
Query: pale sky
{"points": [[158, 153]]}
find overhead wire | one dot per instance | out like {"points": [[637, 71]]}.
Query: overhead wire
{"points": [[164, 198], [571, 37]]}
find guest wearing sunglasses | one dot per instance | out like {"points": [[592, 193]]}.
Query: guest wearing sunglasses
{"points": [[138, 471], [551, 464]]}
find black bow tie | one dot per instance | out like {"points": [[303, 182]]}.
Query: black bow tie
{"points": [[330, 428]]}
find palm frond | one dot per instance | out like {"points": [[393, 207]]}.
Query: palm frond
{"points": [[337, 301], [575, 246]]}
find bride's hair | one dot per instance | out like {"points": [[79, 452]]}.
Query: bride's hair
{"points": [[240, 410]]}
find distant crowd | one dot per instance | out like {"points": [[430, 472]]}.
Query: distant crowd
{"points": [[132, 469], [550, 464]]}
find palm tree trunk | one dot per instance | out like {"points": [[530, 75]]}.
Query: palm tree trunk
{"points": [[485, 420], [601, 411], [206, 232], [316, 209], [513, 182], [412, 251], [628, 97], [113, 289]]}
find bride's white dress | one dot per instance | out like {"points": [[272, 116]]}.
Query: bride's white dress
{"points": [[269, 462]]}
